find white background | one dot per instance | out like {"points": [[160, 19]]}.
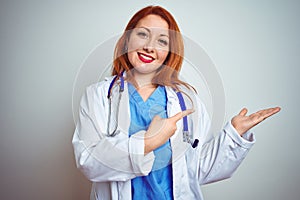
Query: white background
{"points": [[254, 44]]}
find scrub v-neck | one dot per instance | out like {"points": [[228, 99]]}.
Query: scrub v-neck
{"points": [[133, 91]]}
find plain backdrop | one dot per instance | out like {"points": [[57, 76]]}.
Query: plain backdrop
{"points": [[255, 46]]}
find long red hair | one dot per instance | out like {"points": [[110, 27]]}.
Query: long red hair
{"points": [[167, 75]]}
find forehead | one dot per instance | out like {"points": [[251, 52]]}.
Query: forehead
{"points": [[153, 22]]}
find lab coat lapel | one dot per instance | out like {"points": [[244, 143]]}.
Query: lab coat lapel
{"points": [[173, 107], [178, 146]]}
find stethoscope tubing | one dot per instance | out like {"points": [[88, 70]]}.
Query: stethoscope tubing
{"points": [[186, 135]]}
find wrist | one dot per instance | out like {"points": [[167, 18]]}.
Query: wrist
{"points": [[148, 145]]}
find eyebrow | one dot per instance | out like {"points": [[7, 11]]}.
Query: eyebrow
{"points": [[150, 31]]}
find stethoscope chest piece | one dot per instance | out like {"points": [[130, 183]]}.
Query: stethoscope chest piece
{"points": [[186, 133]]}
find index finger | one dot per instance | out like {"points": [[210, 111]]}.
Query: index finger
{"points": [[182, 114], [269, 112], [263, 114]]}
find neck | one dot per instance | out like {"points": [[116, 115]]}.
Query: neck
{"points": [[143, 80]]}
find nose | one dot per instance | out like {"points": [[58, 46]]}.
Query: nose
{"points": [[149, 46]]}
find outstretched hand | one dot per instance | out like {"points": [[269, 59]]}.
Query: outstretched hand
{"points": [[243, 123]]}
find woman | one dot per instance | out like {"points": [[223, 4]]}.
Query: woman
{"points": [[140, 153]]}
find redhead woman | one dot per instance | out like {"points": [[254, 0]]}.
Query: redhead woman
{"points": [[136, 139]]}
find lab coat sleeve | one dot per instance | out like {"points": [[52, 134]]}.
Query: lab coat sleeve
{"points": [[221, 155], [102, 158]]}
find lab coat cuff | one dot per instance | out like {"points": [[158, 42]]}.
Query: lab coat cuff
{"points": [[246, 141], [141, 163]]}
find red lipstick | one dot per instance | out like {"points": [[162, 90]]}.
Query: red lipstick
{"points": [[145, 58]]}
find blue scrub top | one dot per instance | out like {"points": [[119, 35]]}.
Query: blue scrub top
{"points": [[158, 183]]}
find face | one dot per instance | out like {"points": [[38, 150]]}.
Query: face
{"points": [[148, 44]]}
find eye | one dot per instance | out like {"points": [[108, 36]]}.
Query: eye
{"points": [[142, 34], [163, 42]]}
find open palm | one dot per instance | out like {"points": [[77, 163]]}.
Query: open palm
{"points": [[243, 123]]}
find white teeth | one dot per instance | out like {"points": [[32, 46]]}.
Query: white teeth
{"points": [[145, 57]]}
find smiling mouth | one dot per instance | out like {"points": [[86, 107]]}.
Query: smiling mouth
{"points": [[145, 58]]}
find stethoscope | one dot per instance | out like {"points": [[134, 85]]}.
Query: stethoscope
{"points": [[186, 135]]}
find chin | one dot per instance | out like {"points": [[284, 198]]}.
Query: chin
{"points": [[146, 68]]}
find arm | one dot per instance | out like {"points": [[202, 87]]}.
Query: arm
{"points": [[221, 155], [103, 158]]}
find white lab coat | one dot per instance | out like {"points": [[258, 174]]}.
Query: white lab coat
{"points": [[111, 162]]}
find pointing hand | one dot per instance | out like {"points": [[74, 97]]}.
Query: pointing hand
{"points": [[161, 129]]}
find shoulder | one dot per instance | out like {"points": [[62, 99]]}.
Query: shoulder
{"points": [[100, 87], [101, 84], [192, 97], [96, 92]]}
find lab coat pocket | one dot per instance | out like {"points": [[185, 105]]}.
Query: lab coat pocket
{"points": [[191, 159]]}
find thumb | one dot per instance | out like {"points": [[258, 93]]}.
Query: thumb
{"points": [[243, 112], [182, 114]]}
